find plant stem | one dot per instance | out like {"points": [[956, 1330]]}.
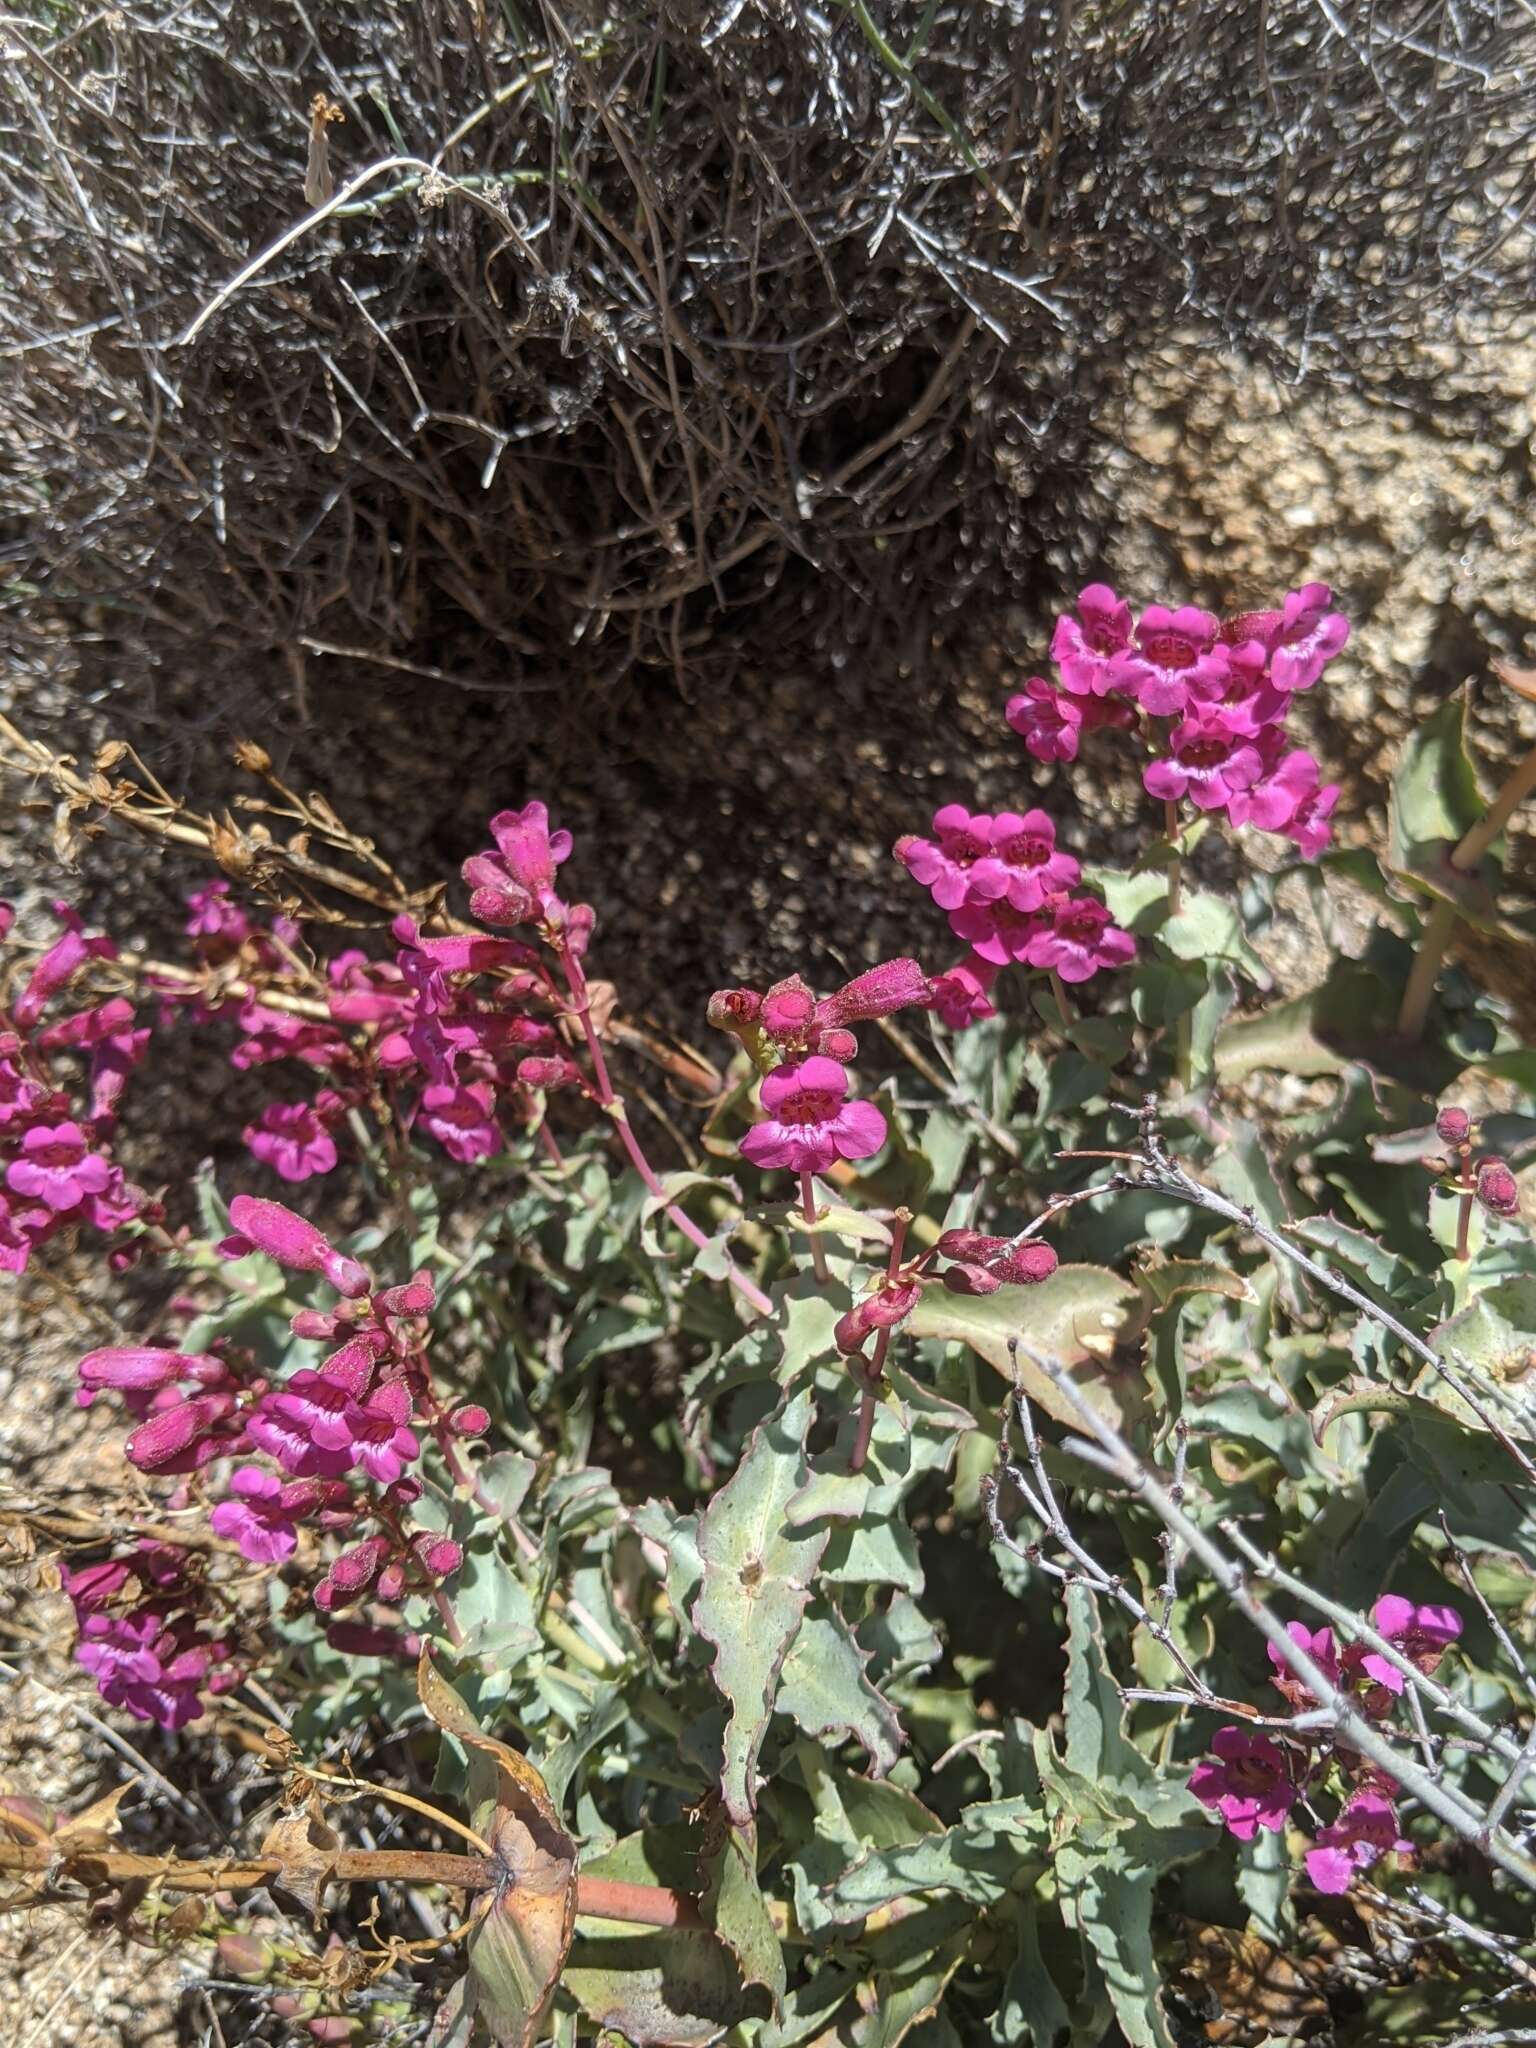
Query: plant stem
{"points": [[1183, 1030], [1439, 926], [1464, 1225], [1064, 1009], [818, 1250], [1434, 937], [875, 1370], [745, 1286]]}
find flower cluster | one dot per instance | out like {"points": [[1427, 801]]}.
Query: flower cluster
{"points": [[1254, 1782], [799, 1042], [1210, 696], [142, 1620], [342, 1435], [453, 1035], [1483, 1178], [56, 1169], [1009, 893]]}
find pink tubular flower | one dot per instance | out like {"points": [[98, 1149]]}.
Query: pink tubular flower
{"points": [[1035, 867], [57, 1168], [187, 1434], [138, 1663], [981, 1265], [997, 933], [22, 1230], [1422, 1633], [134, 1373], [809, 1123], [1311, 827], [1249, 1785], [256, 1520], [516, 883], [269, 1227], [1047, 720], [959, 995], [63, 960], [1177, 658], [1080, 940], [958, 865], [292, 1140], [1320, 1647], [1364, 1831], [373, 1433], [462, 1118], [1286, 779], [1207, 762], [214, 916], [1085, 645], [1309, 635], [301, 1426]]}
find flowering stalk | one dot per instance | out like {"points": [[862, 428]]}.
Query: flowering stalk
{"points": [[581, 999], [875, 1370]]}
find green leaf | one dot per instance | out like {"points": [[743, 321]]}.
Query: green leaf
{"points": [[1496, 1333], [996, 1846], [1207, 927], [757, 1577], [1074, 1321], [673, 1187], [735, 1908], [1435, 802], [825, 1691], [1351, 1015]]}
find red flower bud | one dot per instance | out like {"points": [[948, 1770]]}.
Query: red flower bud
{"points": [[1497, 1188], [1453, 1126], [470, 1420]]}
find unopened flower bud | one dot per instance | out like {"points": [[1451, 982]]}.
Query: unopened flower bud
{"points": [[242, 1955], [1497, 1188], [1453, 1126], [391, 1582], [359, 1566], [470, 1420], [787, 1010]]}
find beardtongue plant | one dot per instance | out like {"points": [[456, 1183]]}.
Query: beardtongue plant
{"points": [[666, 1418]]}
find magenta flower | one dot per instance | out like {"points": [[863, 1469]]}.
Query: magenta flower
{"points": [[1308, 637], [1177, 658], [1285, 779], [516, 883], [462, 1118], [1422, 1634], [214, 916], [22, 1230], [372, 1433], [63, 960], [997, 933], [138, 1664], [887, 1307], [1084, 646], [960, 994], [269, 1227], [256, 1519], [958, 865], [186, 1434], [809, 1123], [20, 1097], [1321, 1648], [1249, 1785], [1310, 827], [292, 1140], [288, 1426], [1047, 720], [1366, 1830], [1080, 940], [136, 1374], [1207, 762], [1035, 867], [57, 1168]]}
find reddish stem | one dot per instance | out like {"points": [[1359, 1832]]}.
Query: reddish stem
{"points": [[745, 1286], [1464, 1225], [875, 1371]]}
